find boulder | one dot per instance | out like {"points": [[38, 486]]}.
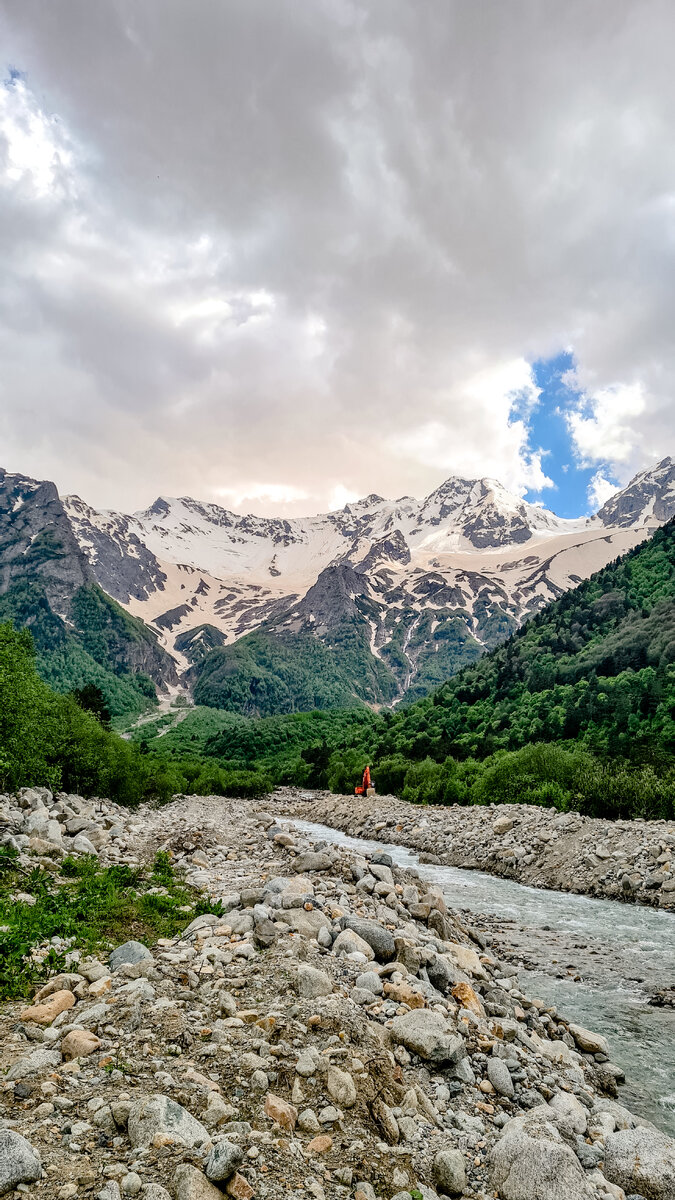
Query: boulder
{"points": [[590, 1043], [500, 1077], [157, 1121], [79, 1043], [280, 1112], [428, 1034], [307, 924], [223, 1161], [532, 1161], [191, 1184], [312, 861], [450, 1172], [641, 1160], [312, 983], [44, 1014], [128, 952], [341, 1087], [378, 938], [349, 942], [19, 1162]]}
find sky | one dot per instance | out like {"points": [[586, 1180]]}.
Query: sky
{"points": [[279, 255]]}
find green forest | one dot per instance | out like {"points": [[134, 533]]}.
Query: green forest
{"points": [[575, 710]]}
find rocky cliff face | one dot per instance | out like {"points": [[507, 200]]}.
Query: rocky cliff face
{"points": [[37, 541]]}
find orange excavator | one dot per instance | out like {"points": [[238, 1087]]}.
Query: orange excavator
{"points": [[367, 786]]}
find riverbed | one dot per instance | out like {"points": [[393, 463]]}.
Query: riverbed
{"points": [[598, 961]]}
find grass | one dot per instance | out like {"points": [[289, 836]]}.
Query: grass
{"points": [[94, 908]]}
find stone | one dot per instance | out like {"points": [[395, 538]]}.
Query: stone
{"points": [[378, 938], [467, 998], [370, 981], [532, 1161], [40, 1060], [341, 1087], [128, 952], [427, 1033], [500, 1077], [217, 1111], [155, 1191], [312, 983], [641, 1160], [131, 1184], [239, 1188], [450, 1172], [223, 1161], [591, 1043], [313, 860], [320, 1145], [403, 993], [386, 1120], [19, 1162], [192, 1184], [79, 1043], [307, 924], [349, 942], [502, 825], [572, 1109], [308, 1121], [280, 1111], [157, 1120], [44, 1014], [82, 845]]}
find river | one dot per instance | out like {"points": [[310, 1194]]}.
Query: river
{"points": [[598, 961]]}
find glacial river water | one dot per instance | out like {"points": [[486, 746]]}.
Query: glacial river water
{"points": [[598, 961]]}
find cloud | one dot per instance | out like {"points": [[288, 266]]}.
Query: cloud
{"points": [[600, 490], [318, 245]]}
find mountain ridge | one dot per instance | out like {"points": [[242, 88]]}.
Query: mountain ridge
{"points": [[404, 592]]}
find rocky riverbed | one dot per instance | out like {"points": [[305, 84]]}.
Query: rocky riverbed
{"points": [[541, 847], [332, 1032]]}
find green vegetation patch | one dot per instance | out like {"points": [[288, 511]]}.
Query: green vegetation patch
{"points": [[93, 908]]}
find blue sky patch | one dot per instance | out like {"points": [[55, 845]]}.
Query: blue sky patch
{"points": [[549, 432]]}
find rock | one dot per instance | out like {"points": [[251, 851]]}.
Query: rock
{"points": [[44, 1014], [223, 1161], [32, 1064], [279, 1111], [79, 1043], [239, 1188], [19, 1162], [264, 934], [370, 981], [467, 998], [500, 1077], [320, 1145], [313, 860], [531, 1161], [217, 1111], [502, 825], [82, 845], [155, 1191], [378, 938], [349, 942], [308, 1121], [591, 1043], [312, 983], [386, 1120], [341, 1087], [450, 1172], [307, 924], [156, 1121], [128, 952], [572, 1109], [427, 1033], [191, 1184], [641, 1160], [131, 1184]]}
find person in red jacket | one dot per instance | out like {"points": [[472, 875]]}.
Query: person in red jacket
{"points": [[365, 782]]}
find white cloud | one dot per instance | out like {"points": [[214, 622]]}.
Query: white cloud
{"points": [[301, 242], [600, 490], [605, 425], [339, 496], [273, 493]]}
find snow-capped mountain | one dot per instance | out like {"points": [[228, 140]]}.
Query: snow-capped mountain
{"points": [[427, 583]]}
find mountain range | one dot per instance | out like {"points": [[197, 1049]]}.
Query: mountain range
{"points": [[379, 601]]}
